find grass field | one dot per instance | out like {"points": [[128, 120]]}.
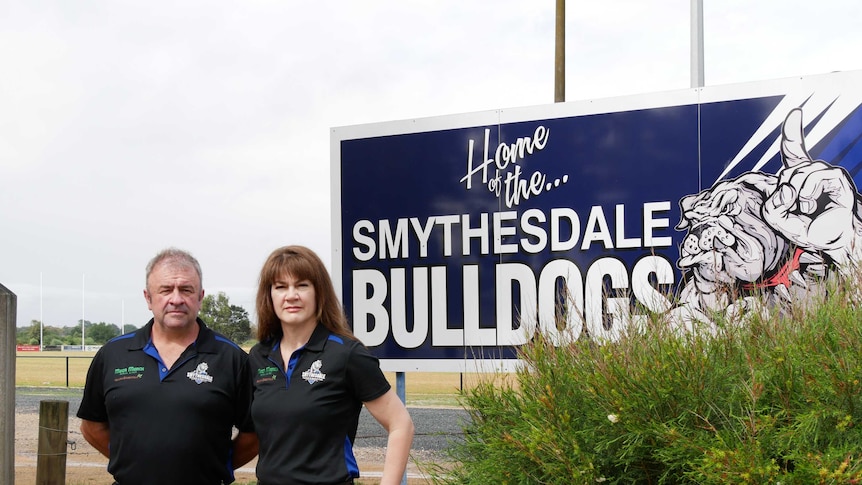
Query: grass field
{"points": [[49, 369], [69, 369]]}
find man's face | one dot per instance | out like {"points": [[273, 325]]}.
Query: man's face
{"points": [[174, 295]]}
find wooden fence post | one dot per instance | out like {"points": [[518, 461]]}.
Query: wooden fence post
{"points": [[8, 310], [53, 437]]}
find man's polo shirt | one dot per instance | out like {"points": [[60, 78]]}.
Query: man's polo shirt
{"points": [[306, 411], [169, 425]]}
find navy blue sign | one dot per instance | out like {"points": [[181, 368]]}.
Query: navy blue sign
{"points": [[457, 245]]}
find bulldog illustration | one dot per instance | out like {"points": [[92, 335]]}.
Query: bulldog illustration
{"points": [[767, 239]]}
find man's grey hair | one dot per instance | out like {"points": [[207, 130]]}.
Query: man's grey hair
{"points": [[174, 256]]}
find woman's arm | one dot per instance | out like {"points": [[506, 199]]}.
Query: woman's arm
{"points": [[390, 412]]}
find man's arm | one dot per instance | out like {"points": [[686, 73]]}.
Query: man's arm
{"points": [[245, 447], [98, 435]]}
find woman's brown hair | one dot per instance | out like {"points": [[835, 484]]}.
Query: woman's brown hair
{"points": [[300, 263]]}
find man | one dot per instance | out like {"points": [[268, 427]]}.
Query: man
{"points": [[161, 403]]}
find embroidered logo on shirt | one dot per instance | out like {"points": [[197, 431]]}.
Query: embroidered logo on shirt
{"points": [[126, 373], [267, 373], [200, 375], [313, 373]]}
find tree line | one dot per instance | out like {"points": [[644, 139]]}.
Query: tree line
{"points": [[216, 310]]}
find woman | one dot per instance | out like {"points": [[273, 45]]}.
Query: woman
{"points": [[311, 376]]}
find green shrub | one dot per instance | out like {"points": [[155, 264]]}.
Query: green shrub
{"points": [[773, 398]]}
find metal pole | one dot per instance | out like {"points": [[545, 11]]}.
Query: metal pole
{"points": [[83, 313], [560, 53], [697, 76], [401, 390], [41, 318]]}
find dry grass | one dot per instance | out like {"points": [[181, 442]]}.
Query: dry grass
{"points": [[48, 369], [441, 389]]}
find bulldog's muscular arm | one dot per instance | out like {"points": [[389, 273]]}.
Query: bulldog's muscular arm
{"points": [[815, 203]]}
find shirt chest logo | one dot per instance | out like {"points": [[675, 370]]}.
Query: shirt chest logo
{"points": [[126, 373], [313, 373], [268, 373], [199, 375]]}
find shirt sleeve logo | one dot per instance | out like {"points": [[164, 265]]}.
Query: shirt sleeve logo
{"points": [[313, 373], [200, 375]]}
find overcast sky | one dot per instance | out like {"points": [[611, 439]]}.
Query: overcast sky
{"points": [[128, 126]]}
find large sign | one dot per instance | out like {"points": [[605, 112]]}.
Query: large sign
{"points": [[456, 239]]}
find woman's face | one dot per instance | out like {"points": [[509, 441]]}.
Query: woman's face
{"points": [[294, 301]]}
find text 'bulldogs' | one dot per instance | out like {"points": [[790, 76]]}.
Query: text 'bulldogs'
{"points": [[599, 299]]}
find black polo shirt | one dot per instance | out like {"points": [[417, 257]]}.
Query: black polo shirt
{"points": [[306, 411], [170, 426]]}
